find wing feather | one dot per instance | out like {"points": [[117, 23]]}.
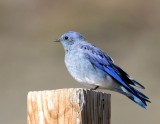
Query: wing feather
{"points": [[102, 61]]}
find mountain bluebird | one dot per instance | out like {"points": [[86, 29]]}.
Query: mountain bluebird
{"points": [[92, 67]]}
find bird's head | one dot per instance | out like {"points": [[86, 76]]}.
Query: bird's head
{"points": [[70, 38]]}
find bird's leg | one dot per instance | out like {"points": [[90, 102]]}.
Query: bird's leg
{"points": [[96, 87]]}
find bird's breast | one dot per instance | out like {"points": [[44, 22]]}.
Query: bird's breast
{"points": [[84, 72], [76, 65]]}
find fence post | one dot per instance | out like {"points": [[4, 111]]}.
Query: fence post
{"points": [[68, 106]]}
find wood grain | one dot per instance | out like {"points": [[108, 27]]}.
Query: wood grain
{"points": [[68, 106]]}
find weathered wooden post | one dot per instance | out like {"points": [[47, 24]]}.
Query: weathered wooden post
{"points": [[68, 106]]}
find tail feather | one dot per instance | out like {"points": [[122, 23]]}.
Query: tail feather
{"points": [[130, 91], [138, 100], [141, 94], [135, 83], [137, 97], [126, 78]]}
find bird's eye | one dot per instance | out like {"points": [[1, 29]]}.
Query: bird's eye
{"points": [[66, 38]]}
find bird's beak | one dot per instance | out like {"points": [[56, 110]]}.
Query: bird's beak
{"points": [[57, 40]]}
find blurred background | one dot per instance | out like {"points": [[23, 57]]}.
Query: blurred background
{"points": [[129, 31]]}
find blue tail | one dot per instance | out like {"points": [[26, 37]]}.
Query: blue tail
{"points": [[137, 97], [132, 93]]}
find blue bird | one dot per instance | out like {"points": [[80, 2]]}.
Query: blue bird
{"points": [[94, 68]]}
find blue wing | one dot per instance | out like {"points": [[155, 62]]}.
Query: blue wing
{"points": [[105, 63], [102, 61]]}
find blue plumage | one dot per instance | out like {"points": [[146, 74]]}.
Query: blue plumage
{"points": [[90, 66], [105, 63]]}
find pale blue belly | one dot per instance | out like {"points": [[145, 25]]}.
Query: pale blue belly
{"points": [[84, 72]]}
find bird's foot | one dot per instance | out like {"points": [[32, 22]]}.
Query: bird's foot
{"points": [[96, 87]]}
